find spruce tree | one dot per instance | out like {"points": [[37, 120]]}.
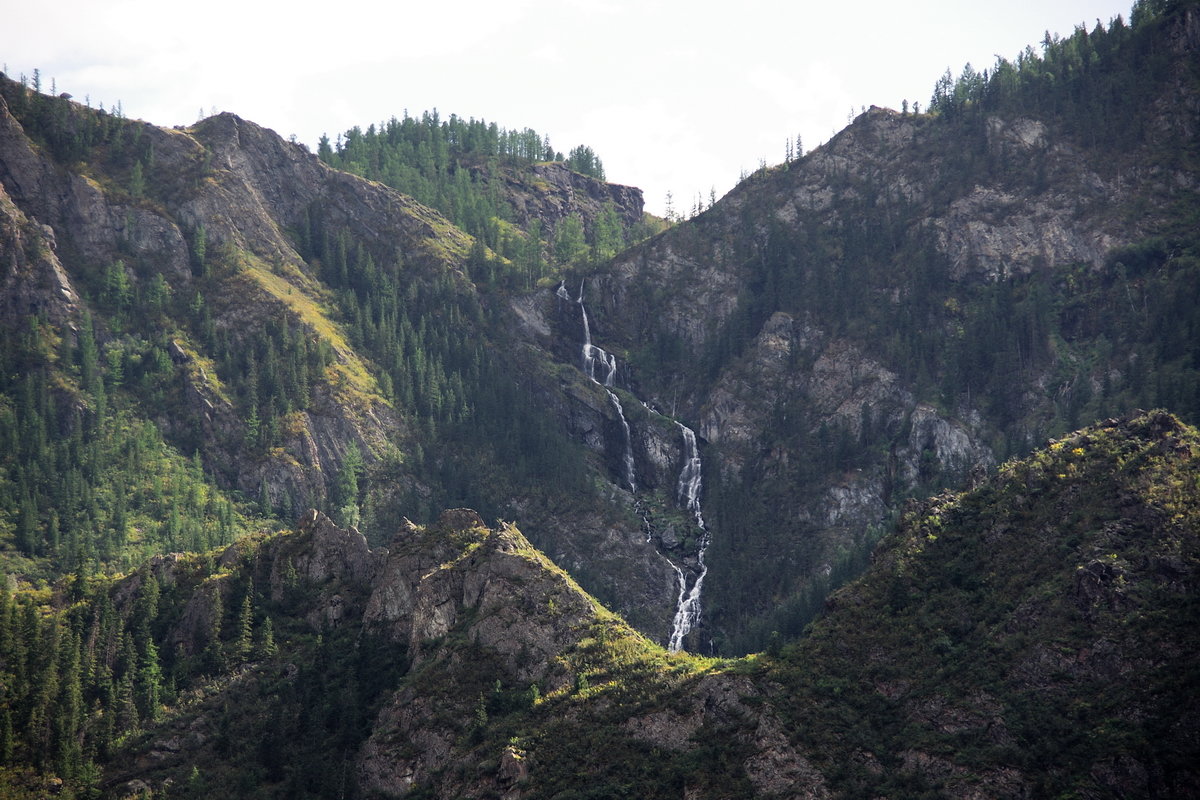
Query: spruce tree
{"points": [[268, 648], [244, 645], [149, 683], [137, 181]]}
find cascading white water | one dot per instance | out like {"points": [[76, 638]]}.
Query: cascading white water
{"points": [[689, 476], [592, 354], [687, 610], [629, 467], [608, 362]]}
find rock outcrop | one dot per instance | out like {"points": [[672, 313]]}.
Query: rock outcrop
{"points": [[556, 192], [994, 624]]}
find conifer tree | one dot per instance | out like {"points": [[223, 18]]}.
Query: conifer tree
{"points": [[200, 250], [214, 657], [569, 245], [137, 181], [244, 645], [126, 717], [268, 648], [145, 610], [608, 237], [149, 683], [69, 714]]}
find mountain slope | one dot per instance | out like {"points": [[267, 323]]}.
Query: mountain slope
{"points": [[916, 300], [709, 431], [313, 337], [1032, 636]]}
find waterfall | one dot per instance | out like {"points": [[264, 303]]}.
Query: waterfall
{"points": [[687, 610], [593, 356], [629, 468], [689, 477], [601, 367]]}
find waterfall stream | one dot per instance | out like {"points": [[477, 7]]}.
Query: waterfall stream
{"points": [[592, 356], [629, 467], [601, 366], [687, 611]]}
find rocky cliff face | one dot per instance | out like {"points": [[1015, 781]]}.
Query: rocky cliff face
{"points": [[222, 214], [35, 283], [243, 187], [782, 324], [458, 598], [556, 192]]}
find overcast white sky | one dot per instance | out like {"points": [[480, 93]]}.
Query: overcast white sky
{"points": [[672, 95]]}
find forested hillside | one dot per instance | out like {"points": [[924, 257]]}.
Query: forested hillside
{"points": [[922, 297], [301, 336], [207, 333], [509, 189], [1032, 636], [237, 348]]}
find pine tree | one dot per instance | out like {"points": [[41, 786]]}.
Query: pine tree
{"points": [[89, 356], [265, 507], [126, 717], [268, 648], [608, 237], [200, 250], [69, 714], [570, 245], [145, 611], [214, 656], [243, 647], [345, 488], [149, 683], [116, 290], [45, 691], [137, 181]]}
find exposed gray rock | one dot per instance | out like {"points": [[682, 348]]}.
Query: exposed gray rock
{"points": [[557, 192]]}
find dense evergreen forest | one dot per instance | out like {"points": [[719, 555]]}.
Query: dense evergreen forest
{"points": [[476, 435], [95, 675], [460, 167], [87, 480], [89, 484]]}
